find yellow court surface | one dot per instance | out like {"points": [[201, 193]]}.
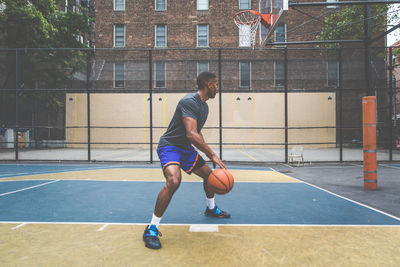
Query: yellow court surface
{"points": [[121, 245]]}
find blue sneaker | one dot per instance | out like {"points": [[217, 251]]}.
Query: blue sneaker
{"points": [[150, 237], [217, 213]]}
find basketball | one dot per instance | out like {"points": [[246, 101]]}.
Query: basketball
{"points": [[220, 181]]}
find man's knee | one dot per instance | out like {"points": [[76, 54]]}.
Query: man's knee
{"points": [[173, 181]]}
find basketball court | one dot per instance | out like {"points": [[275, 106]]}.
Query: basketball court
{"points": [[54, 214], [94, 214]]}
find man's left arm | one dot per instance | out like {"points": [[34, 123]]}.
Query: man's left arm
{"points": [[198, 141]]}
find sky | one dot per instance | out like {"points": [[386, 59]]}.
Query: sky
{"points": [[395, 35]]}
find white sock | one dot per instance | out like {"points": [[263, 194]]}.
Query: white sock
{"points": [[211, 203], [155, 220]]}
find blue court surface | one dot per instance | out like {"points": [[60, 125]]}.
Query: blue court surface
{"points": [[132, 202]]}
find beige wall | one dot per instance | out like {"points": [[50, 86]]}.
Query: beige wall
{"points": [[312, 110], [239, 110]]}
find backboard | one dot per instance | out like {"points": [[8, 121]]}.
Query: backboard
{"points": [[278, 10]]}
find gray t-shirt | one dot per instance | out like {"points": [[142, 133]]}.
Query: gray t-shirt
{"points": [[189, 106]]}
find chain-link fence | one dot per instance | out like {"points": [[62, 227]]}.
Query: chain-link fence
{"points": [[114, 104]]}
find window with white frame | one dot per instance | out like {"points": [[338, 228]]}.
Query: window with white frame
{"points": [[332, 71], [244, 74], [333, 1], [161, 36], [159, 74], [244, 4], [280, 33], [119, 75], [202, 35], [75, 7], [202, 4], [119, 35], [202, 66], [279, 73], [244, 36], [119, 5], [161, 5]]}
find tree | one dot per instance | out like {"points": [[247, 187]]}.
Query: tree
{"points": [[40, 24], [348, 23]]}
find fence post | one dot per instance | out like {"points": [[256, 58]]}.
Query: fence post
{"points": [[391, 141], [88, 102], [220, 101], [340, 107], [16, 105], [369, 140], [367, 47], [286, 106], [151, 102]]}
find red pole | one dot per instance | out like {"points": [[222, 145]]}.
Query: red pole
{"points": [[369, 140]]}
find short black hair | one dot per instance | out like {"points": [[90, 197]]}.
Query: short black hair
{"points": [[204, 78]]}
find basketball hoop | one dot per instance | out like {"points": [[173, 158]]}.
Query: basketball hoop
{"points": [[251, 19]]}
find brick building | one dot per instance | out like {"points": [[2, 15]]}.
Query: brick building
{"points": [[165, 44], [74, 6], [200, 27]]}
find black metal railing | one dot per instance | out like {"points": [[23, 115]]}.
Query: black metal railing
{"points": [[35, 84]]}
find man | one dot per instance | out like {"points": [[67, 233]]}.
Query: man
{"points": [[176, 152]]}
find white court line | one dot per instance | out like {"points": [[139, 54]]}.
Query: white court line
{"points": [[189, 224], [18, 226], [203, 228], [27, 188], [348, 199], [103, 227]]}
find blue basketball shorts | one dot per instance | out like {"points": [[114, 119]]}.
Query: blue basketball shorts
{"points": [[189, 160]]}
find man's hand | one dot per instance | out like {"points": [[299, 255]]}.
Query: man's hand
{"points": [[216, 160]]}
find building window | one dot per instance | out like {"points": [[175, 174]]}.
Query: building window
{"points": [[202, 66], [119, 35], [119, 5], [202, 4], [329, 1], [244, 74], [161, 5], [119, 75], [244, 36], [161, 36], [75, 7], [244, 4], [202, 35], [159, 74], [279, 73], [280, 33], [332, 70]]}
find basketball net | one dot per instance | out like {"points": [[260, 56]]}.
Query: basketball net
{"points": [[249, 19]]}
